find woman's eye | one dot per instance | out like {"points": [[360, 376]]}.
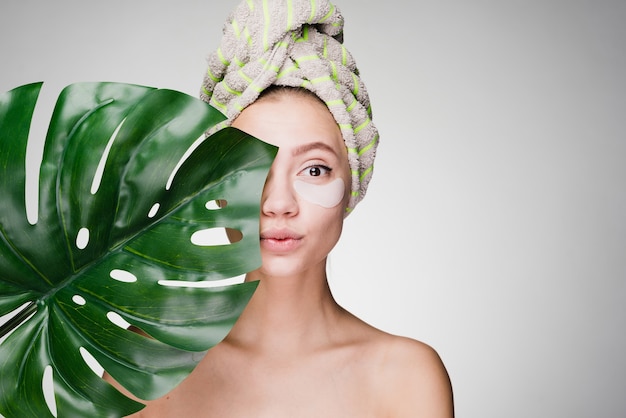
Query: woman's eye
{"points": [[316, 170]]}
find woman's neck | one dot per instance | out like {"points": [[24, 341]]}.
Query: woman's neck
{"points": [[287, 314]]}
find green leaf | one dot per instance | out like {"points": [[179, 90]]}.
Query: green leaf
{"points": [[107, 240]]}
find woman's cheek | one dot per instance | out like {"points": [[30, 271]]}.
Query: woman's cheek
{"points": [[325, 195]]}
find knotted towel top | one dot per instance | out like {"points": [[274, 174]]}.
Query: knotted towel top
{"points": [[296, 43]]}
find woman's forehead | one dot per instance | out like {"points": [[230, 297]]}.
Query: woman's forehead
{"points": [[295, 122]]}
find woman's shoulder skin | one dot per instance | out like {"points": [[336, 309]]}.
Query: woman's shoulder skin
{"points": [[410, 377], [414, 379]]}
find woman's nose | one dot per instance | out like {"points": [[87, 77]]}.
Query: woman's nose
{"points": [[278, 196]]}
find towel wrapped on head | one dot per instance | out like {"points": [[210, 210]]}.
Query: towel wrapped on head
{"points": [[295, 43]]}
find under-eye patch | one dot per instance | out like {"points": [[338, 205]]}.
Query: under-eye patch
{"points": [[325, 195]]}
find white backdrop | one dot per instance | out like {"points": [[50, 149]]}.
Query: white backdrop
{"points": [[494, 228]]}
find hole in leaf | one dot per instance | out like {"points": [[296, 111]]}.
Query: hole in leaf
{"points": [[95, 185], [47, 386], [215, 236], [154, 210], [216, 204], [91, 362], [79, 300], [82, 239], [204, 283], [186, 155], [117, 319], [234, 235], [46, 101], [14, 315], [123, 276]]}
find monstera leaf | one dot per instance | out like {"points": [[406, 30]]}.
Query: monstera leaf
{"points": [[126, 183]]}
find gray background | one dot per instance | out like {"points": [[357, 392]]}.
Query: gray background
{"points": [[494, 227]]}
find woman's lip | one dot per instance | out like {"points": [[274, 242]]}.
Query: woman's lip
{"points": [[280, 234], [280, 240]]}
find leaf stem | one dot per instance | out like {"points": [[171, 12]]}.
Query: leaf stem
{"points": [[14, 322]]}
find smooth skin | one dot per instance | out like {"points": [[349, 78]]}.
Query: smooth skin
{"points": [[295, 352]]}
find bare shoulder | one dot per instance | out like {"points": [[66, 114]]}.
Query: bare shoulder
{"points": [[413, 378]]}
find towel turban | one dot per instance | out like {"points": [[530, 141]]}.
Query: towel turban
{"points": [[295, 43]]}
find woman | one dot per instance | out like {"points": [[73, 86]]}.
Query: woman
{"points": [[282, 75]]}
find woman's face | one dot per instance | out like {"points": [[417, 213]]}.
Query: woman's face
{"points": [[307, 189]]}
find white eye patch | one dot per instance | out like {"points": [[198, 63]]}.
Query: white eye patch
{"points": [[325, 195]]}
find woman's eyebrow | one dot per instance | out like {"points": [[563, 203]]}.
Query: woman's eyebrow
{"points": [[312, 146]]}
